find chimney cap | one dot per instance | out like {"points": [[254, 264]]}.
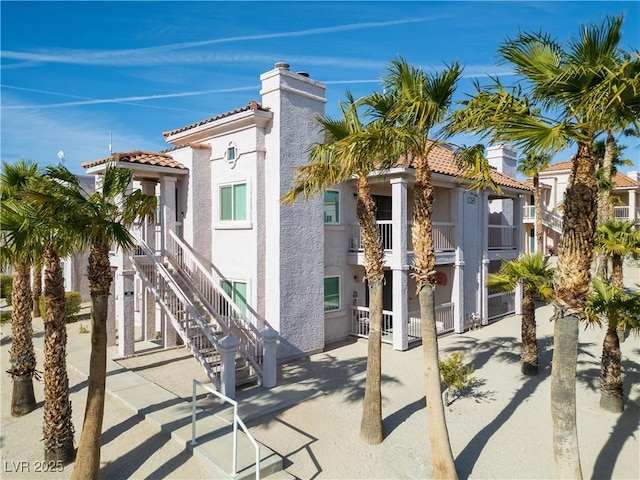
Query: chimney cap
{"points": [[283, 65], [303, 74]]}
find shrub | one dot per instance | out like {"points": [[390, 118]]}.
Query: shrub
{"points": [[73, 299], [6, 286], [455, 375]]}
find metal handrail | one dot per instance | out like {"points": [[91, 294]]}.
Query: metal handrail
{"points": [[247, 334], [180, 296], [236, 421]]}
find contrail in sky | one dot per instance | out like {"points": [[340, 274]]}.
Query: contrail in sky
{"points": [[117, 56]]}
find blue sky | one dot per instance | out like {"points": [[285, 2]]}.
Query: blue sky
{"points": [[76, 74]]}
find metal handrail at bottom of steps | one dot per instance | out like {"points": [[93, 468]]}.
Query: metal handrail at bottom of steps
{"points": [[236, 421]]}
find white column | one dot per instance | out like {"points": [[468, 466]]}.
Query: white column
{"points": [[483, 301], [125, 298], [399, 263], [148, 187], [168, 208], [632, 205], [227, 347], [519, 236], [457, 289], [149, 314], [270, 364], [111, 310]]}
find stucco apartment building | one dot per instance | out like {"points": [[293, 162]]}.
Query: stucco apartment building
{"points": [[223, 232], [553, 183]]}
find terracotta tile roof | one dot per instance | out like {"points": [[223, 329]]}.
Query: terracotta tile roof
{"points": [[140, 158], [253, 105], [442, 160], [622, 181], [619, 179], [559, 166]]}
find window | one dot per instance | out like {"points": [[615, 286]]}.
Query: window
{"points": [[232, 153], [238, 293], [332, 207], [233, 202], [331, 294]]}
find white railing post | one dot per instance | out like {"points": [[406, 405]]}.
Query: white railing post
{"points": [[227, 347], [269, 365]]}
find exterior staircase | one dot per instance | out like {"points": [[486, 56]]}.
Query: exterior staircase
{"points": [[552, 220], [202, 313]]}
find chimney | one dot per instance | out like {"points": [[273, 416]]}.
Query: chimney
{"points": [[282, 65]]}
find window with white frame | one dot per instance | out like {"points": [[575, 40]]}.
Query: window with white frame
{"points": [[232, 152], [331, 293], [332, 207], [238, 293], [233, 202]]}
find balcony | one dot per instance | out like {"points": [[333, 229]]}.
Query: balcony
{"points": [[360, 322], [443, 236], [502, 237], [625, 213]]}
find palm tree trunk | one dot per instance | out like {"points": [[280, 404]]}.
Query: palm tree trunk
{"points": [[617, 277], [605, 209], [22, 354], [37, 289], [424, 272], [529, 339], [57, 427], [611, 394], [572, 285], [538, 207], [371, 423], [87, 465]]}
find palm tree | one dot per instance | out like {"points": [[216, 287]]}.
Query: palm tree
{"points": [[20, 248], [572, 92], [420, 102], [336, 160], [618, 309], [52, 227], [536, 278], [608, 158], [102, 220], [531, 165], [615, 240]]}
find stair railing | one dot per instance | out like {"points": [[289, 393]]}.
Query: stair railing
{"points": [[219, 304], [184, 317], [552, 220]]}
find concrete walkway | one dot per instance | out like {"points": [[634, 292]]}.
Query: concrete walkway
{"points": [[172, 414]]}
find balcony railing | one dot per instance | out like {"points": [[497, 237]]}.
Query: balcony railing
{"points": [[443, 236], [360, 322], [502, 237], [625, 213], [528, 213], [500, 304]]}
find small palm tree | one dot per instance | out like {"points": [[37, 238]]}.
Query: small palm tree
{"points": [[53, 226], [615, 240], [608, 302], [536, 278], [343, 155], [19, 248]]}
